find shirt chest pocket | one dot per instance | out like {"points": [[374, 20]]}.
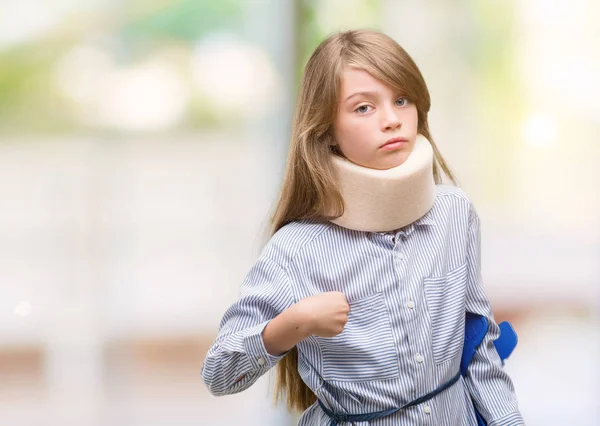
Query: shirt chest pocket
{"points": [[365, 350], [446, 310]]}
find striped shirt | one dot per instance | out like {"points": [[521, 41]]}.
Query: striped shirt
{"points": [[408, 292]]}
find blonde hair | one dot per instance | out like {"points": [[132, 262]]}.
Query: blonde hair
{"points": [[309, 190]]}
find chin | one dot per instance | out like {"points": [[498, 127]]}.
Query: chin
{"points": [[393, 161]]}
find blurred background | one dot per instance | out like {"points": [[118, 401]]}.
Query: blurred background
{"points": [[142, 144]]}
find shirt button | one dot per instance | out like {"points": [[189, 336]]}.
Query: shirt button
{"points": [[419, 358], [260, 361], [410, 304], [399, 255], [427, 409]]}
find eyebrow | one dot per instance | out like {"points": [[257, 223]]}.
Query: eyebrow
{"points": [[367, 94]]}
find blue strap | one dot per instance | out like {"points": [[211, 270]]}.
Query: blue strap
{"points": [[342, 417]]}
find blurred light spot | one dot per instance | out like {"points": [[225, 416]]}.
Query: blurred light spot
{"points": [[83, 73], [540, 130], [149, 97], [23, 309], [26, 19], [562, 13], [236, 77], [30, 20]]}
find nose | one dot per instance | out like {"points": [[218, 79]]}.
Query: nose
{"points": [[390, 120]]}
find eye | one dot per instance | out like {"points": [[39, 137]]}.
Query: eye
{"points": [[363, 109], [402, 102]]}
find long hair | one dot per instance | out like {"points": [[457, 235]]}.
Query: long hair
{"points": [[309, 190]]}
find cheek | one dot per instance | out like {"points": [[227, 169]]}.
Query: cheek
{"points": [[357, 127], [353, 135], [412, 117], [345, 130]]}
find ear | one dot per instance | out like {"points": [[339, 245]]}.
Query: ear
{"points": [[331, 141], [334, 148]]}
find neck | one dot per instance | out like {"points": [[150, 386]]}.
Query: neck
{"points": [[385, 200]]}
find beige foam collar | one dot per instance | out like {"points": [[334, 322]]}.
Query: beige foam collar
{"points": [[386, 200]]}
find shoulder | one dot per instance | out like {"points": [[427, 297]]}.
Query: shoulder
{"points": [[292, 238], [453, 201], [448, 194], [454, 193]]}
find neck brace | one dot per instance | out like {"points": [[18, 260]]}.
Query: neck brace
{"points": [[386, 200]]}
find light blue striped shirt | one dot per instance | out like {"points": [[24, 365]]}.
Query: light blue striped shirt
{"points": [[408, 292]]}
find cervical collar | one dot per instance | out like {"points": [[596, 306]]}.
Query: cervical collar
{"points": [[386, 200]]}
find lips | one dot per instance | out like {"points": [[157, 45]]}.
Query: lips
{"points": [[395, 143]]}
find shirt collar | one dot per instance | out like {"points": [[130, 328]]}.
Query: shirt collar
{"points": [[426, 220]]}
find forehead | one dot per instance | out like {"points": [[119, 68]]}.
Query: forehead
{"points": [[354, 79]]}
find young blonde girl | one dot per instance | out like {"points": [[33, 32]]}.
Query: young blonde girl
{"points": [[360, 295]]}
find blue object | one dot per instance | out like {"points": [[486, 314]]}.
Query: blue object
{"points": [[507, 341], [476, 327]]}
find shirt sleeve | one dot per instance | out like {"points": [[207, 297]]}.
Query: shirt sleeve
{"points": [[489, 385], [238, 356]]}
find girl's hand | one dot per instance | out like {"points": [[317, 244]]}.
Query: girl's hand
{"points": [[323, 314]]}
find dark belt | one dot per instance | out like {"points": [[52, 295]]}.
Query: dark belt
{"points": [[340, 417]]}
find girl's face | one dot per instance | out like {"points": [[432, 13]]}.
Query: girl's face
{"points": [[375, 126]]}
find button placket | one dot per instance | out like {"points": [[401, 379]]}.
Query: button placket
{"points": [[398, 254], [401, 244]]}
